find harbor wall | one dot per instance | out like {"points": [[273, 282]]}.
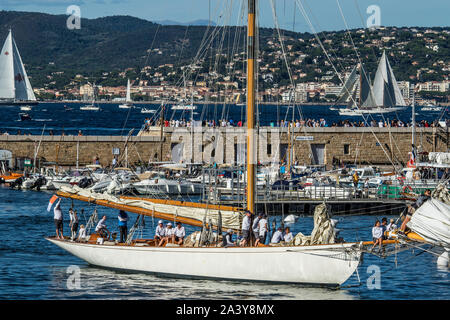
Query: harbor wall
{"points": [[378, 146]]}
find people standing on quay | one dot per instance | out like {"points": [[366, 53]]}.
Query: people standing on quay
{"points": [[123, 218]]}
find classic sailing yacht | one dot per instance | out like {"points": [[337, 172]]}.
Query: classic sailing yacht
{"points": [[15, 87], [383, 97], [128, 103], [324, 264]]}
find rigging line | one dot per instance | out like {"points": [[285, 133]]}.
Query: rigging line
{"points": [[364, 29], [300, 6]]}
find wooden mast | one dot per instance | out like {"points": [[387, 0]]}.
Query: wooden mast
{"points": [[251, 145]]}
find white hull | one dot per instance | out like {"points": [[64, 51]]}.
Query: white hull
{"points": [[126, 106], [325, 265], [358, 112]]}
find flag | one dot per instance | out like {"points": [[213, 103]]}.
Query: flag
{"points": [[51, 202]]}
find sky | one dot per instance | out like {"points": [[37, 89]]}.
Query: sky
{"points": [[323, 14]]}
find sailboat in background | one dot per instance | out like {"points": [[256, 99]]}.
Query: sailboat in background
{"points": [[92, 106], [383, 97], [128, 102], [15, 87]]}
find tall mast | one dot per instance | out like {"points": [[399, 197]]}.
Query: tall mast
{"points": [[413, 126], [251, 145]]}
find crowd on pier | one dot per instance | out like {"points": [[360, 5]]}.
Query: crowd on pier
{"points": [[310, 123]]}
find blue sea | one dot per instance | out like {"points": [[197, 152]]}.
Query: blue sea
{"points": [[33, 268], [111, 120]]}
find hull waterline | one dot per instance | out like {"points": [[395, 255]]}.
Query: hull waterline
{"points": [[324, 265]]}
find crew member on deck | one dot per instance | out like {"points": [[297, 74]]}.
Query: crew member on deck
{"points": [[277, 236], [101, 228], [160, 233], [123, 218], [58, 216], [288, 237], [179, 233], [246, 229], [412, 208]]}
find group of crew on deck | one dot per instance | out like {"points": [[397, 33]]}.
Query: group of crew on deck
{"points": [[259, 228], [381, 231]]}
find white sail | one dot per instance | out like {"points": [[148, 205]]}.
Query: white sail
{"points": [[7, 90], [348, 87], [385, 88], [128, 99], [24, 91], [14, 82]]}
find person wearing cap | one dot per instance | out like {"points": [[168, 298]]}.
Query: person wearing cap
{"points": [[169, 235], [277, 236], [179, 233], [246, 228], [160, 233], [228, 239]]}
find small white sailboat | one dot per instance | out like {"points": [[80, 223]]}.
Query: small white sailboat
{"points": [[145, 110], [15, 87], [128, 102], [92, 106]]}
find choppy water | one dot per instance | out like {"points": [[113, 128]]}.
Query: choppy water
{"points": [[33, 268], [114, 121]]}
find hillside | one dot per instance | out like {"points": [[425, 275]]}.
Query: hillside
{"points": [[111, 45]]}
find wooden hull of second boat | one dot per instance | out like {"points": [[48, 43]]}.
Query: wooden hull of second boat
{"points": [[323, 265]]}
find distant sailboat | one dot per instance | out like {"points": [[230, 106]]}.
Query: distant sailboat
{"points": [[15, 87], [128, 103], [92, 106], [383, 97]]}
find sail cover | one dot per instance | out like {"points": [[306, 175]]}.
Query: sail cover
{"points": [[7, 70], [432, 222], [385, 88], [230, 219]]}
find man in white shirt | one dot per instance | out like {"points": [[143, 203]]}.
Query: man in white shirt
{"points": [[180, 233], [228, 239], [246, 229], [277, 236], [58, 217], [101, 228], [73, 223], [169, 235], [160, 233], [262, 230], [288, 237]]}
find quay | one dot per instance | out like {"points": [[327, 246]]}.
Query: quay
{"points": [[226, 146]]}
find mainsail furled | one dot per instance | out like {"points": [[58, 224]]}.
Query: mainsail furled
{"points": [[385, 88], [14, 82]]}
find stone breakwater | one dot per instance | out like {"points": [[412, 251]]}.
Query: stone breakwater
{"points": [[326, 146]]}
